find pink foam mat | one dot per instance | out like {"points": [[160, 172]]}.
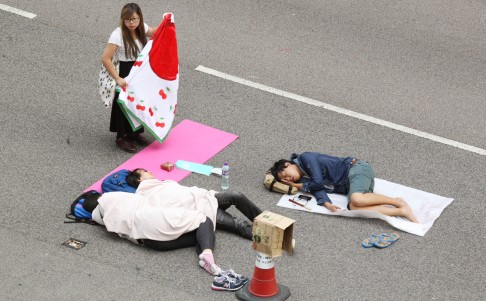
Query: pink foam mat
{"points": [[189, 140]]}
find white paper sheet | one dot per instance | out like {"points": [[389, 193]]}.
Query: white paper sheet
{"points": [[427, 207]]}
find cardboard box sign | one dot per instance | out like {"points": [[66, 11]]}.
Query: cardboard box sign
{"points": [[272, 234]]}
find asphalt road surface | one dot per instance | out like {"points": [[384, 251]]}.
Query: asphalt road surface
{"points": [[411, 74]]}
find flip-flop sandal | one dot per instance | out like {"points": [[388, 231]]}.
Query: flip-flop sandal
{"points": [[368, 243], [385, 240], [392, 237]]}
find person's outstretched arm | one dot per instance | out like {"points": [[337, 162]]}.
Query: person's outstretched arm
{"points": [[316, 184]]}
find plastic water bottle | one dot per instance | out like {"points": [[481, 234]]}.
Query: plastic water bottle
{"points": [[225, 176]]}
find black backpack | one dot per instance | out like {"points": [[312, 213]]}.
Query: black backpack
{"points": [[77, 214]]}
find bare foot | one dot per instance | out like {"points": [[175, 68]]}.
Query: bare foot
{"points": [[407, 213]]}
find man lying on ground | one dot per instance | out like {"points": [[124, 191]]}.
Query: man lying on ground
{"points": [[320, 174]]}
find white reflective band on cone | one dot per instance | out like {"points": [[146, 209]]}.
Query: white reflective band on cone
{"points": [[264, 261]]}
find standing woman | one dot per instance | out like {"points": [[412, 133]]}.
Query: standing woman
{"points": [[126, 41]]}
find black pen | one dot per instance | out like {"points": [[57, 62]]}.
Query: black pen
{"points": [[301, 205]]}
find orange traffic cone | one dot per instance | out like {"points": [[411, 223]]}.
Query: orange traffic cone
{"points": [[263, 285]]}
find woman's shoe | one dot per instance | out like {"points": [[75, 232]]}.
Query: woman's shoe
{"points": [[226, 283], [232, 274], [125, 145], [139, 139]]}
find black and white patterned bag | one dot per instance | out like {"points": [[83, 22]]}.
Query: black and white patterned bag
{"points": [[107, 84]]}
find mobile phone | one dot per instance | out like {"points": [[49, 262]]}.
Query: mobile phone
{"points": [[304, 197]]}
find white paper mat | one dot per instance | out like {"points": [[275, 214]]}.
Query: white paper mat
{"points": [[427, 207]]}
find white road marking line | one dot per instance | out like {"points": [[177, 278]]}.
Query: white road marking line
{"points": [[17, 11], [346, 112]]}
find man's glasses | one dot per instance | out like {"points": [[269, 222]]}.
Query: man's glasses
{"points": [[132, 20]]}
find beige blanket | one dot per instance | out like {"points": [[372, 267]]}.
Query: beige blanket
{"points": [[159, 210]]}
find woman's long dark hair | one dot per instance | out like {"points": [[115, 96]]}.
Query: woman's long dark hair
{"points": [[133, 178], [131, 48]]}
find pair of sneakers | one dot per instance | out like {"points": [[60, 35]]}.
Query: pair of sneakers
{"points": [[228, 280]]}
